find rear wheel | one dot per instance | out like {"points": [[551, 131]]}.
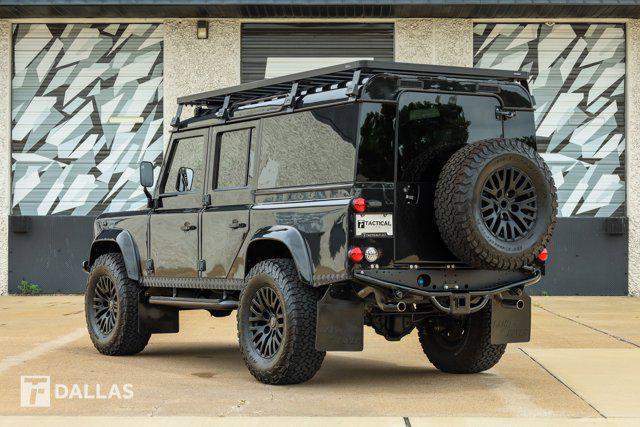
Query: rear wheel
{"points": [[460, 345], [277, 324], [111, 308]]}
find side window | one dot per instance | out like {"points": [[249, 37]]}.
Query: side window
{"points": [[234, 158], [377, 142], [186, 171], [308, 148]]}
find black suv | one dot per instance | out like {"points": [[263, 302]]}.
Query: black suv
{"points": [[396, 196]]}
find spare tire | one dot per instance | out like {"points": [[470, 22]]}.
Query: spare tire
{"points": [[496, 204]]}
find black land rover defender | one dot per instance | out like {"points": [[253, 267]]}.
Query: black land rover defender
{"points": [[396, 196]]}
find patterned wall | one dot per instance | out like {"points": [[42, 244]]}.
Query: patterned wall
{"points": [[86, 109], [577, 79]]}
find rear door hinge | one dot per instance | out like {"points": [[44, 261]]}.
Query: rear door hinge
{"points": [[202, 265], [150, 266], [206, 200]]}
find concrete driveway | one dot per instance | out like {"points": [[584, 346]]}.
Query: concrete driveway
{"points": [[582, 365]]}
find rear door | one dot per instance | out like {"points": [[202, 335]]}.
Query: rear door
{"points": [[174, 225], [431, 127], [225, 222]]}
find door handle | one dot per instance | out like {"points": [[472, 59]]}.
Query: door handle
{"points": [[235, 224], [188, 227], [504, 114]]}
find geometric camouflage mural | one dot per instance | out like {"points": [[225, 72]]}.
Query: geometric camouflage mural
{"points": [[577, 74], [86, 110]]}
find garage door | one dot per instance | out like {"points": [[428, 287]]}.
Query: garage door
{"points": [[87, 108], [577, 78], [272, 50]]}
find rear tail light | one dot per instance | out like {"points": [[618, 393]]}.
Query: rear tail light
{"points": [[359, 204], [542, 256], [356, 254]]}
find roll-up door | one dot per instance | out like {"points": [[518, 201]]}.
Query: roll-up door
{"points": [[272, 50], [87, 108], [577, 78]]}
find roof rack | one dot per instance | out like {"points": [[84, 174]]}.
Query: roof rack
{"points": [[349, 74]]}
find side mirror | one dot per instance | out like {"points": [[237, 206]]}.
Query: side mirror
{"points": [[146, 180], [184, 179], [146, 174]]}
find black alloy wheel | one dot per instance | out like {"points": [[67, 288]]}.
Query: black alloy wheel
{"points": [[266, 322], [508, 204], [105, 305]]}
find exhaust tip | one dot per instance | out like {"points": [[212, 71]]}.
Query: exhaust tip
{"points": [[402, 306], [516, 304]]}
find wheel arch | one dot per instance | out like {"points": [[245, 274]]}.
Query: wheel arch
{"points": [[113, 240], [280, 241]]}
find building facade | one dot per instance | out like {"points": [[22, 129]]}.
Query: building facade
{"points": [[88, 92]]}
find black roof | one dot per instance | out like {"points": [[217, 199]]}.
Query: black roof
{"points": [[350, 73], [14, 9]]}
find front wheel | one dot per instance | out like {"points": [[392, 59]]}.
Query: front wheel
{"points": [[277, 324], [111, 308], [460, 345]]}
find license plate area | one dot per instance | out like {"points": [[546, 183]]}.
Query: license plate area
{"points": [[374, 225]]}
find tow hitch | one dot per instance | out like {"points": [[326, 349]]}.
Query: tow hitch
{"points": [[461, 304]]}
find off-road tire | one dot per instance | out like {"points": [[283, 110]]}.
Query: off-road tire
{"points": [[458, 212], [297, 359], [124, 338], [475, 353]]}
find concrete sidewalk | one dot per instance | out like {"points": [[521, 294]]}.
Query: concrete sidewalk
{"points": [[582, 366]]}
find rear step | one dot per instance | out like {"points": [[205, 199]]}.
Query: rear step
{"points": [[208, 304]]}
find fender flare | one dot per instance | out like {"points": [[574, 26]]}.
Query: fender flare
{"points": [[295, 243], [127, 246]]}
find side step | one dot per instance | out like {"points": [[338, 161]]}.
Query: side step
{"points": [[208, 304]]}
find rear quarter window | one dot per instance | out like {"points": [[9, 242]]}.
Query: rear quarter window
{"points": [[308, 148], [377, 140]]}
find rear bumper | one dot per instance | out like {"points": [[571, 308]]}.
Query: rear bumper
{"points": [[457, 293], [449, 282]]}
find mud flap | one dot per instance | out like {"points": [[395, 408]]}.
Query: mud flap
{"points": [[339, 325], [508, 322], [157, 319]]}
